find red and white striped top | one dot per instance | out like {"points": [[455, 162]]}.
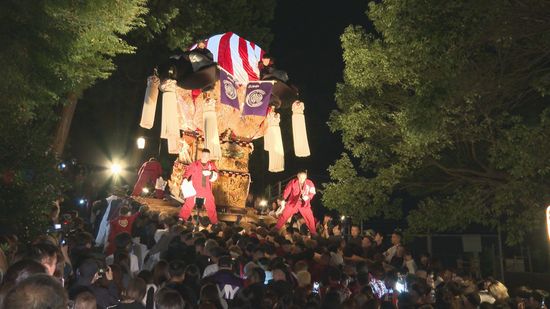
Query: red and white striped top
{"points": [[236, 55]]}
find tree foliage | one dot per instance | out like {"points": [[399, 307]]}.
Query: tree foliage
{"points": [[53, 47], [178, 24], [29, 180], [49, 49], [445, 102], [55, 50]]}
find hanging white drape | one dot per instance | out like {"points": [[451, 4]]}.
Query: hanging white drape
{"points": [[269, 132], [211, 135], [276, 151], [150, 102], [299, 132], [169, 126], [173, 144]]}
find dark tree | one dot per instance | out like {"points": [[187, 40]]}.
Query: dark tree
{"points": [[446, 102]]}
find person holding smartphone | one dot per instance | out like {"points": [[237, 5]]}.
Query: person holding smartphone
{"points": [[99, 280]]}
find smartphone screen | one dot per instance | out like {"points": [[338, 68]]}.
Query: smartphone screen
{"points": [[400, 287], [316, 287], [268, 277]]}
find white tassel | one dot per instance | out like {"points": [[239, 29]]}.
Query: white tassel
{"points": [[299, 132], [211, 135], [269, 132], [150, 102], [173, 144], [277, 152], [169, 127]]}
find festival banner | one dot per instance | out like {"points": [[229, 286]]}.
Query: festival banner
{"points": [[228, 89], [258, 94]]}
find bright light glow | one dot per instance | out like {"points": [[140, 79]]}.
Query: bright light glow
{"points": [[141, 142], [548, 221], [82, 201], [116, 169], [400, 287], [263, 203], [145, 190], [343, 218]]}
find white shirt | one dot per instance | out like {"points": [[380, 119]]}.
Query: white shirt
{"points": [[101, 238], [280, 210], [210, 270], [411, 266], [150, 285], [390, 253], [159, 233]]}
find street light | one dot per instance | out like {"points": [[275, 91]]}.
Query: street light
{"points": [[116, 169], [140, 142]]}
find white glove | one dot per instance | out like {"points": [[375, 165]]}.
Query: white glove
{"points": [[214, 177], [206, 173], [305, 197]]}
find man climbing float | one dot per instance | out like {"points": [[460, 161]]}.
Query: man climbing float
{"points": [[202, 173], [148, 174], [297, 198]]}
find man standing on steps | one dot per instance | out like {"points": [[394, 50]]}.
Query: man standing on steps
{"points": [[202, 173], [297, 198]]}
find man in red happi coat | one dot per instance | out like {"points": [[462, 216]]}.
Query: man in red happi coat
{"points": [[122, 224], [148, 174], [202, 172], [297, 197]]}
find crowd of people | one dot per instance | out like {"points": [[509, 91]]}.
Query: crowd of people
{"points": [[124, 256]]}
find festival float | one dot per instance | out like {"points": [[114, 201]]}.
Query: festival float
{"points": [[222, 94]]}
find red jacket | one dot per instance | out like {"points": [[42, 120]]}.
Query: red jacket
{"points": [[119, 225], [294, 191], [201, 183], [152, 168]]}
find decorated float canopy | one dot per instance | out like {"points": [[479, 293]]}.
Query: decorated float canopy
{"points": [[221, 94], [236, 55]]}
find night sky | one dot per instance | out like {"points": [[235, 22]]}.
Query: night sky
{"points": [[306, 44]]}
